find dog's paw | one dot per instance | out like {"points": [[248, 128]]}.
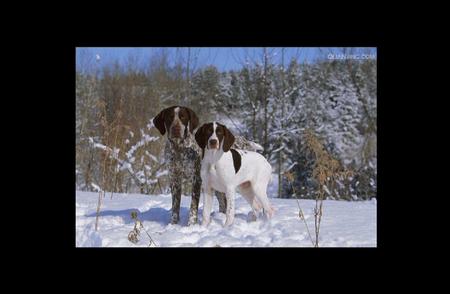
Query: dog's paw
{"points": [[205, 223], [174, 219], [269, 213], [228, 224], [251, 216], [192, 220]]}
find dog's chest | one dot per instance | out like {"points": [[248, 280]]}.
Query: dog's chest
{"points": [[217, 174], [183, 160], [214, 177]]}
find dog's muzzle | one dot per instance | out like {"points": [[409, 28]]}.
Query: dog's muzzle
{"points": [[213, 144]]}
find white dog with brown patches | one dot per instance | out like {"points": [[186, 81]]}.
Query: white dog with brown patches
{"points": [[224, 169]]}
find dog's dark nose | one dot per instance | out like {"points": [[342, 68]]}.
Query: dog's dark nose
{"points": [[213, 142]]}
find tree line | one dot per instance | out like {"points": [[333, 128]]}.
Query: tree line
{"points": [[277, 104]]}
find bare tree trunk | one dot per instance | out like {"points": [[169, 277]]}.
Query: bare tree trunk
{"points": [[280, 164], [179, 81], [254, 124], [265, 100], [188, 62], [119, 183], [88, 171], [280, 152]]}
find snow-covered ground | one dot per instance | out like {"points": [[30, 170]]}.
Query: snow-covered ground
{"points": [[344, 224]]}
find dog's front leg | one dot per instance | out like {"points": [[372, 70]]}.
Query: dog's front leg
{"points": [[207, 206], [176, 199], [230, 207], [196, 189], [222, 201]]}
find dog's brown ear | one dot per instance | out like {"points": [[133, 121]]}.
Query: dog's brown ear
{"points": [[200, 137], [193, 120], [158, 121], [228, 140]]}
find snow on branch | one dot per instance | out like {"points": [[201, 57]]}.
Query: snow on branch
{"points": [[288, 131], [145, 139], [140, 176], [278, 149], [291, 166], [96, 187]]}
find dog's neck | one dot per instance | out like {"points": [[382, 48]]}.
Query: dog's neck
{"points": [[177, 142], [186, 141], [211, 156]]}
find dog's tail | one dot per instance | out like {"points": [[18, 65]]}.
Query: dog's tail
{"points": [[256, 146], [244, 144]]}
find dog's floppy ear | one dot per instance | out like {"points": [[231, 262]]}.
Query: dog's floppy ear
{"points": [[193, 120], [228, 140], [158, 121], [200, 137]]}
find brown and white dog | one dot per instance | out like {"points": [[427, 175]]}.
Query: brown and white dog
{"points": [[225, 169], [182, 155]]}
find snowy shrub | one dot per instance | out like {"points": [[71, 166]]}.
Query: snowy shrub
{"points": [[141, 166]]}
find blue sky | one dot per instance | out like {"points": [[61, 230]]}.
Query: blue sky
{"points": [[224, 58]]}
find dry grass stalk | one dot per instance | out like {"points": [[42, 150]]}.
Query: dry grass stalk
{"points": [[133, 236], [101, 193], [290, 177], [326, 170]]}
